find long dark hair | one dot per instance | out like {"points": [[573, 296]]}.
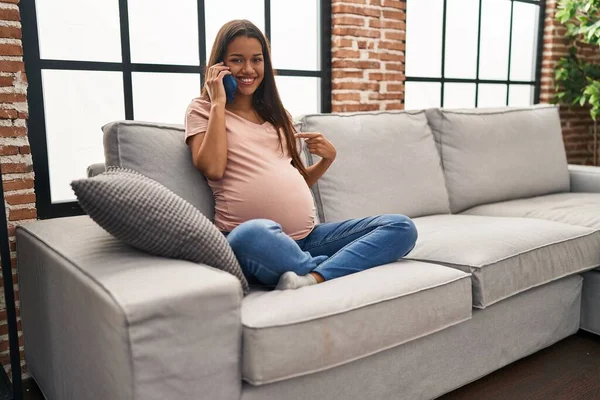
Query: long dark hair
{"points": [[266, 100]]}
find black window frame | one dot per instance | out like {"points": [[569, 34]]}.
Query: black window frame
{"points": [[34, 66], [477, 81]]}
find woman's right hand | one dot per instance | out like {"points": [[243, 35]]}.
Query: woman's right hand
{"points": [[214, 83]]}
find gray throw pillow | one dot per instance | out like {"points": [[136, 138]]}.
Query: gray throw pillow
{"points": [[144, 214]]}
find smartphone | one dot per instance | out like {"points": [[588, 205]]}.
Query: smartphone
{"points": [[230, 87]]}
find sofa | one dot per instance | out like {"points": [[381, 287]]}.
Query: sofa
{"points": [[505, 265]]}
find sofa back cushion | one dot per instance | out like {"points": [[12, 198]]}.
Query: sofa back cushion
{"points": [[386, 162], [492, 155], [159, 152]]}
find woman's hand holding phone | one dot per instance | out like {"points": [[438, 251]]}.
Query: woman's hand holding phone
{"points": [[214, 83]]}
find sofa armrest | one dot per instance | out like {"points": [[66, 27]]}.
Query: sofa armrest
{"points": [[102, 320], [95, 169], [584, 178]]}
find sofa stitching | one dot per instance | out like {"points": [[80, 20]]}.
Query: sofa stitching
{"points": [[457, 112], [487, 264], [153, 125], [119, 144], [442, 164], [442, 146], [533, 286], [445, 264], [441, 135], [441, 155], [345, 115], [541, 247], [347, 310]]}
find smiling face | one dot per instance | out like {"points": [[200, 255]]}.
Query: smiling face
{"points": [[244, 57]]}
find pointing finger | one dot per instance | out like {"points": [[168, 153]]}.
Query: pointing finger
{"points": [[307, 135]]}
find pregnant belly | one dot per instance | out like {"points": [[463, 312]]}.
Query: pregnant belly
{"points": [[285, 199]]}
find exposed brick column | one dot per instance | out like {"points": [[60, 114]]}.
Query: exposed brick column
{"points": [[368, 43], [576, 122], [15, 154]]}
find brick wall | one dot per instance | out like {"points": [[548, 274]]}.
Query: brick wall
{"points": [[368, 43], [576, 121], [15, 154]]}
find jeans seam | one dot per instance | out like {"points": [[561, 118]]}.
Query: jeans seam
{"points": [[321, 243], [352, 242]]}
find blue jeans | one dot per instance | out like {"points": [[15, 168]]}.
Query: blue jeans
{"points": [[332, 249]]}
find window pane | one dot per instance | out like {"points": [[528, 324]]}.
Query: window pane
{"points": [[419, 95], [83, 30], [520, 95], [295, 31], [524, 41], [299, 95], [218, 12], [163, 97], [162, 34], [459, 95], [461, 38], [495, 35], [424, 32], [491, 95], [77, 104]]}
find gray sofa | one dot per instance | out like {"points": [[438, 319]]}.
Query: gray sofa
{"points": [[508, 242]]}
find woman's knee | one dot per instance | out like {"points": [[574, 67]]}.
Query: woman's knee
{"points": [[250, 233], [405, 230]]}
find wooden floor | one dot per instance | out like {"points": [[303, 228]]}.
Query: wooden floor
{"points": [[569, 370]]}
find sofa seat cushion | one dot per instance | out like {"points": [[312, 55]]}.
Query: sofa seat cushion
{"points": [[506, 256], [581, 209], [296, 332]]}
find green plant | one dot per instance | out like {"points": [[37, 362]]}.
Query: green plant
{"points": [[580, 17], [577, 81]]}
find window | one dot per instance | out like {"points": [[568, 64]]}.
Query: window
{"points": [[90, 62], [473, 53]]}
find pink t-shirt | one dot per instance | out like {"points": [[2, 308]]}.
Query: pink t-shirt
{"points": [[259, 179]]}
